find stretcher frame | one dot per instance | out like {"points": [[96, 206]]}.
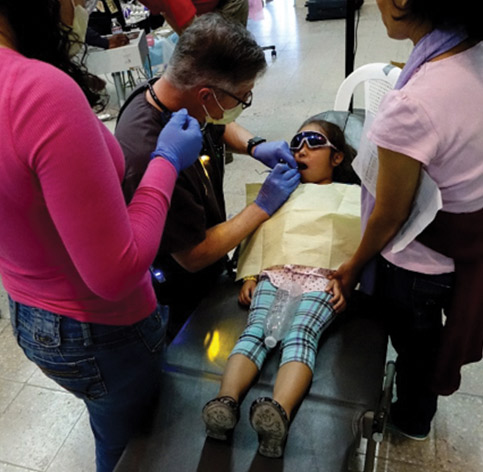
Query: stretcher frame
{"points": [[344, 415], [345, 410]]}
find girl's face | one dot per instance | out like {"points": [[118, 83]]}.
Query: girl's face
{"points": [[316, 165]]}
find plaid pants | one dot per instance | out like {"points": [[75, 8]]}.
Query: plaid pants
{"points": [[313, 315]]}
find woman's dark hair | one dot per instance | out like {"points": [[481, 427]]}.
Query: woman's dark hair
{"points": [[344, 172], [38, 34], [445, 14]]}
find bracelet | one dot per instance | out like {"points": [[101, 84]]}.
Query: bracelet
{"points": [[250, 277]]}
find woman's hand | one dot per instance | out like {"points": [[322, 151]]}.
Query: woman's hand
{"points": [[246, 292], [347, 276], [338, 300]]}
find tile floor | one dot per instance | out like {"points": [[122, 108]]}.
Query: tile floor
{"points": [[44, 429]]}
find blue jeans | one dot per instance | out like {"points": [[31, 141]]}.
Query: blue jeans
{"points": [[114, 369], [413, 304]]}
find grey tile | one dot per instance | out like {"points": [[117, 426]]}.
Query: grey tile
{"points": [[39, 379], [421, 454], [77, 453], [455, 443], [4, 322], [8, 391], [13, 363], [383, 465], [472, 379], [459, 433], [373, 43], [35, 425], [4, 315], [243, 167], [13, 468], [397, 466]]}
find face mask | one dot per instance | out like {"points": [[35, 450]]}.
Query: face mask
{"points": [[228, 115], [79, 28]]}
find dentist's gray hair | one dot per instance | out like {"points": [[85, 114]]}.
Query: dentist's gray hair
{"points": [[216, 51]]}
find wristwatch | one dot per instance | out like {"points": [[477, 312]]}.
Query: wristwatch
{"points": [[252, 142]]}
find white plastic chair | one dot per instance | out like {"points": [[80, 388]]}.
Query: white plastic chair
{"points": [[378, 79]]}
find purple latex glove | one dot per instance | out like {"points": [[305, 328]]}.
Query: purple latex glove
{"points": [[273, 153], [179, 141], [278, 186]]}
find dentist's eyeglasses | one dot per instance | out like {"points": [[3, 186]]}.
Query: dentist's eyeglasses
{"points": [[247, 99]]}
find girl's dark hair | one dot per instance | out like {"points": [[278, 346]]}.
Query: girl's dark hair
{"points": [[445, 14], [344, 172], [38, 34]]}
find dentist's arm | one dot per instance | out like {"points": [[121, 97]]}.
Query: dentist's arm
{"points": [[222, 238]]}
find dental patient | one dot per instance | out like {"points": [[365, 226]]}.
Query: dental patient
{"points": [[321, 222]]}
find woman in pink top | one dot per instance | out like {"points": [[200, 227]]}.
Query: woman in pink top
{"points": [[181, 13], [431, 122], [73, 259]]}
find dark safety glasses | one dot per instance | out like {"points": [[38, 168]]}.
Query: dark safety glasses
{"points": [[313, 139]]}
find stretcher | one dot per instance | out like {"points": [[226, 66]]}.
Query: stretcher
{"points": [[336, 428], [342, 418]]}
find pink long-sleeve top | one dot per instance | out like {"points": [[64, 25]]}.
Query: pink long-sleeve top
{"points": [[68, 244], [181, 11]]}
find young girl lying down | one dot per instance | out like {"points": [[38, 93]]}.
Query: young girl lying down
{"points": [[330, 207]]}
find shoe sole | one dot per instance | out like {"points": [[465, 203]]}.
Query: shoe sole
{"points": [[271, 428], [394, 429], [219, 420]]}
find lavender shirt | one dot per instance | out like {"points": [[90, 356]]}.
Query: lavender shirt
{"points": [[436, 119]]}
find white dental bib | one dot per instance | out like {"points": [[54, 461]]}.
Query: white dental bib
{"points": [[318, 226]]}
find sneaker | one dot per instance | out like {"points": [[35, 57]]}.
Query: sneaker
{"points": [[270, 421], [221, 416], [414, 436], [404, 427]]}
